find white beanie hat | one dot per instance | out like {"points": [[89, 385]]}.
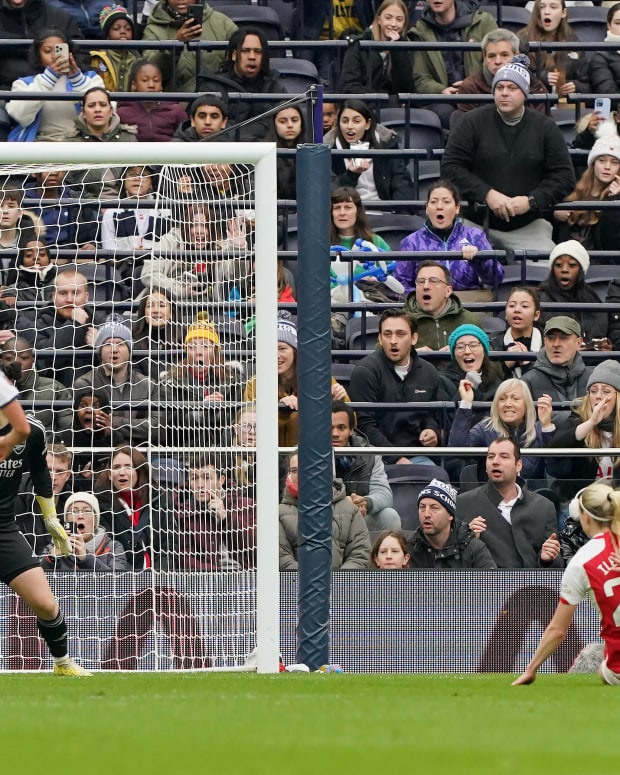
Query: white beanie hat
{"points": [[607, 143], [573, 249], [84, 497]]}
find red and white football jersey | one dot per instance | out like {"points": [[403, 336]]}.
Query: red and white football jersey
{"points": [[593, 574]]}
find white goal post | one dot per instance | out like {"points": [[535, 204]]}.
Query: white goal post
{"points": [[21, 159]]}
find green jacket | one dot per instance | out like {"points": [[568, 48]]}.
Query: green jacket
{"points": [[434, 332], [429, 68], [162, 26], [113, 65]]}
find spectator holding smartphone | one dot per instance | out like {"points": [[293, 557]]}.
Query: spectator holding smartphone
{"points": [[172, 20], [92, 548], [53, 58]]}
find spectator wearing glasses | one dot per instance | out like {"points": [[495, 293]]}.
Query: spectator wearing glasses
{"points": [[435, 306], [471, 369], [92, 548]]}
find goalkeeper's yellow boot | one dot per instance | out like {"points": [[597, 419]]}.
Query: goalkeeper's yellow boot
{"points": [[71, 668]]}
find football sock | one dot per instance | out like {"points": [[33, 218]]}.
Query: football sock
{"points": [[54, 633]]}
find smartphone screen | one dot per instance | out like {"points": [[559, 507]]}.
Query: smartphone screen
{"points": [[603, 106], [195, 12], [61, 50]]}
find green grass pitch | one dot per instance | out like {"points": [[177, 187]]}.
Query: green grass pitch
{"points": [[294, 723]]}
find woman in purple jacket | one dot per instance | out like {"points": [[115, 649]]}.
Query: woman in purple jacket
{"points": [[444, 230], [156, 121]]}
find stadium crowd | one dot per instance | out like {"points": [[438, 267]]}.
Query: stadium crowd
{"points": [[124, 290]]}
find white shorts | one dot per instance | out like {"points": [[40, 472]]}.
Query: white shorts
{"points": [[609, 677]]}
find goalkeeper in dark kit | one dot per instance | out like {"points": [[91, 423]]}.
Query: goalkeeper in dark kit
{"points": [[23, 448]]}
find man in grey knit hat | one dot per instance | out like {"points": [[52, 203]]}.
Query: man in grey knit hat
{"points": [[116, 380], [514, 160]]}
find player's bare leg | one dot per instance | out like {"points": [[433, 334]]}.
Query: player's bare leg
{"points": [[32, 587]]}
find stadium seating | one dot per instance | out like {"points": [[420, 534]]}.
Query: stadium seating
{"points": [[297, 74], [407, 482], [262, 17]]}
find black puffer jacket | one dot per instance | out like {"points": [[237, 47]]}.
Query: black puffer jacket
{"points": [[391, 176], [23, 23], [605, 72], [365, 70], [462, 550], [242, 110]]}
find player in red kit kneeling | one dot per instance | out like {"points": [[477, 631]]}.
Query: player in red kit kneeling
{"points": [[594, 573]]}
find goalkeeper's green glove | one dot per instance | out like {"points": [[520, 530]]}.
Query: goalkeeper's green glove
{"points": [[53, 526]]}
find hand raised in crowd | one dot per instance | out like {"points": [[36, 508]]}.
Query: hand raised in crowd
{"points": [[216, 506], [466, 390], [601, 410], [189, 31], [469, 252], [360, 502], [516, 347], [594, 119], [78, 547], [91, 334], [338, 392], [614, 187], [478, 525], [428, 438], [65, 65], [102, 420], [357, 166], [550, 549], [545, 410]]}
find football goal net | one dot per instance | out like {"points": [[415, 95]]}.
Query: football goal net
{"points": [[139, 287]]}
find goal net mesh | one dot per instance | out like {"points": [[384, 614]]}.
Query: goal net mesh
{"points": [[128, 324]]}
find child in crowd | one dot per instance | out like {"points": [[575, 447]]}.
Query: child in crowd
{"points": [[114, 64], [156, 121], [390, 551], [522, 313]]}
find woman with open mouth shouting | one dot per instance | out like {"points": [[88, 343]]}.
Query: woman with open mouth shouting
{"points": [[377, 178], [568, 263], [444, 230]]}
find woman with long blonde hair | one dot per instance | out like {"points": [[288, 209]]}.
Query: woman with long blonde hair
{"points": [[594, 425], [594, 573], [513, 415]]}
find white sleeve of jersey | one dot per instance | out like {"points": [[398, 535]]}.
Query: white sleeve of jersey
{"points": [[575, 583], [8, 391]]}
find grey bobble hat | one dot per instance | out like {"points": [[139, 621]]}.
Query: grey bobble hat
{"points": [[607, 372], [517, 71], [113, 329]]}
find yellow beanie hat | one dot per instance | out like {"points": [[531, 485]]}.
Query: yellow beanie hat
{"points": [[202, 328]]}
